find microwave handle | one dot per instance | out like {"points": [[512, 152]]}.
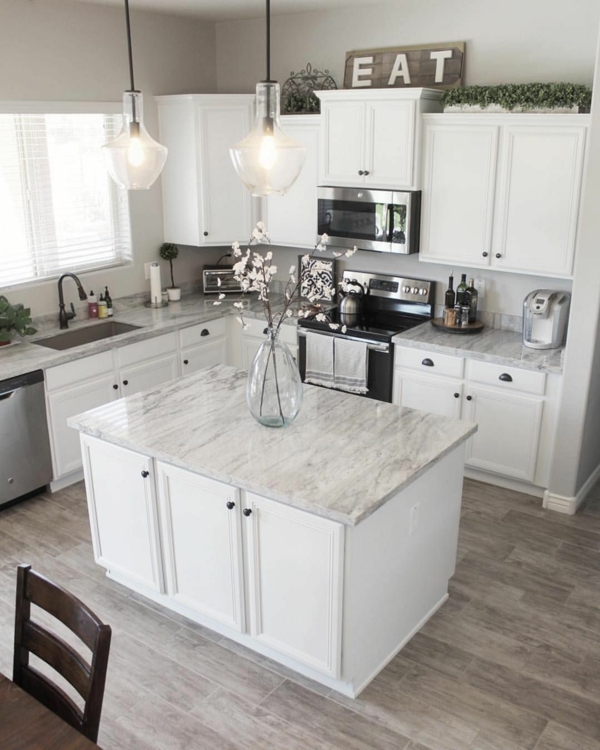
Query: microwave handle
{"points": [[389, 215]]}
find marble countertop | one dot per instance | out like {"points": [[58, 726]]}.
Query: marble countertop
{"points": [[342, 458], [491, 345], [25, 356]]}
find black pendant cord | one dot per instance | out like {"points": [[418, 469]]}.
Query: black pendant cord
{"points": [[268, 42], [129, 46]]}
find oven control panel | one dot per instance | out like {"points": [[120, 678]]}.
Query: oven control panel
{"points": [[393, 287]]}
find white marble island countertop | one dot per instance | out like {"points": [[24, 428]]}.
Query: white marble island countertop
{"points": [[342, 458], [491, 345]]}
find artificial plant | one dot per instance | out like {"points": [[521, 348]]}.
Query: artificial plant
{"points": [[170, 252], [522, 95], [14, 319]]}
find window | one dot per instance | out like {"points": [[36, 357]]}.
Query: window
{"points": [[59, 209]]}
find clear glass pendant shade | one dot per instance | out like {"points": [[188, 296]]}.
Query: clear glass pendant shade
{"points": [[134, 159], [267, 161]]}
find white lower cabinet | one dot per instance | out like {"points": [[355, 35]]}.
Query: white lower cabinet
{"points": [[295, 574], [428, 394], [123, 515], [509, 432], [201, 532], [196, 358], [148, 374]]}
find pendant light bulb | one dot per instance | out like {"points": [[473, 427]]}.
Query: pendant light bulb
{"points": [[267, 156]]}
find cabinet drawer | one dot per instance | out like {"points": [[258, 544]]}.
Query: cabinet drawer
{"points": [[431, 363], [202, 333], [256, 329], [78, 371], [148, 349], [510, 378]]}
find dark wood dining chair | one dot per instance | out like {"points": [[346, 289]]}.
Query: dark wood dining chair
{"points": [[32, 638]]}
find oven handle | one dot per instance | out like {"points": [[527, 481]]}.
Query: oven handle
{"points": [[383, 348]]}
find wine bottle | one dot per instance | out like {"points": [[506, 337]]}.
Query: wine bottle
{"points": [[461, 290], [450, 296], [472, 297]]}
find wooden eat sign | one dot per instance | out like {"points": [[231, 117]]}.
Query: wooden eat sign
{"points": [[432, 66]]}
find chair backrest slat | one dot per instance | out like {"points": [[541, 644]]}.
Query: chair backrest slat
{"points": [[31, 637]]}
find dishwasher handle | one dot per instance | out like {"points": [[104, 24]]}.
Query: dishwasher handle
{"points": [[8, 394], [10, 386]]}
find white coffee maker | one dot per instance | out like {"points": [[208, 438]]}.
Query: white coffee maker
{"points": [[545, 315]]}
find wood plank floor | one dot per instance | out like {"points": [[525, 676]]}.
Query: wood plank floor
{"points": [[510, 662]]}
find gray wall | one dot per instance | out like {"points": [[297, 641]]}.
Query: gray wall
{"points": [[74, 52]]}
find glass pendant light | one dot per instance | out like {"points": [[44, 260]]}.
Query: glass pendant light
{"points": [[268, 161], [134, 158]]}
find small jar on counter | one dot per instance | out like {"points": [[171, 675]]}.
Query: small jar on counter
{"points": [[449, 316], [464, 315], [102, 308]]}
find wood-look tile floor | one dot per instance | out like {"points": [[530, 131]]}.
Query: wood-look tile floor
{"points": [[511, 661]]}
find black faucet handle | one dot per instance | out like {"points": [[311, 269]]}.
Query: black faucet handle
{"points": [[72, 313]]}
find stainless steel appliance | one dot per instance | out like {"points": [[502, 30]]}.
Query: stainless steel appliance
{"points": [[545, 315], [25, 461], [210, 276], [350, 310], [390, 305], [382, 220]]}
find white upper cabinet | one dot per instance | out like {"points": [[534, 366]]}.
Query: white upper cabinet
{"points": [[204, 201], [292, 219], [503, 190], [373, 137]]}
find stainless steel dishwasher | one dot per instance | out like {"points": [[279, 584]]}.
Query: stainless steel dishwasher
{"points": [[25, 460]]}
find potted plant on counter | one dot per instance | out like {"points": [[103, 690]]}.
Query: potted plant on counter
{"points": [[170, 252], [14, 319]]}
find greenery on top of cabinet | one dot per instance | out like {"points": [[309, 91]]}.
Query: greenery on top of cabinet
{"points": [[524, 96]]}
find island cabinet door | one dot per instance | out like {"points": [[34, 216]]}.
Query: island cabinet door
{"points": [[295, 575], [200, 521], [123, 515]]}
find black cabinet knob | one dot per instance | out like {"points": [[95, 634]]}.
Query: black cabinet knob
{"points": [[206, 234], [247, 512], [366, 172], [230, 505], [116, 387], [469, 398], [360, 172], [485, 254], [498, 255], [457, 395], [427, 362], [186, 361], [145, 474], [505, 377], [126, 382], [205, 332], [266, 330]]}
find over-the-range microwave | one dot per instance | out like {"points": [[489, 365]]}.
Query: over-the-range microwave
{"points": [[382, 220]]}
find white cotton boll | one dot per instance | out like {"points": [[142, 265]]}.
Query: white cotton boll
{"points": [[292, 279], [216, 303], [324, 238], [344, 329], [337, 255], [269, 256], [334, 326], [218, 281], [239, 305], [260, 225], [305, 258], [273, 270], [292, 270], [221, 296], [288, 313], [321, 317]]}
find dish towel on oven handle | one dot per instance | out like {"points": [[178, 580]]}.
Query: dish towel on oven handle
{"points": [[351, 366], [319, 360]]}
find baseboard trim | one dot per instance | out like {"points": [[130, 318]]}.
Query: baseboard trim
{"points": [[570, 505], [66, 481], [506, 482]]}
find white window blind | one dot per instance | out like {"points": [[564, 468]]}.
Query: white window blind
{"points": [[59, 208]]}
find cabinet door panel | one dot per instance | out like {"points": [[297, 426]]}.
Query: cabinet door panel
{"points": [[226, 200], [508, 432], [342, 143], [202, 540], [249, 348], [148, 374], [198, 357], [67, 403], [295, 597], [538, 204], [428, 394], [123, 513], [458, 193], [390, 133]]}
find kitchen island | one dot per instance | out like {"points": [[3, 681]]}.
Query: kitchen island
{"points": [[325, 545]]}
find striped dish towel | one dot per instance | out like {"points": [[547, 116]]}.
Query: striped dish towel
{"points": [[351, 366], [319, 360]]}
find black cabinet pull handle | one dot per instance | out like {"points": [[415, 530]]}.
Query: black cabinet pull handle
{"points": [[498, 255], [206, 234], [116, 387], [266, 330], [366, 172], [469, 398], [246, 512], [205, 332], [427, 362], [484, 253], [186, 361], [457, 395], [506, 378], [145, 474], [126, 382], [230, 505], [360, 172]]}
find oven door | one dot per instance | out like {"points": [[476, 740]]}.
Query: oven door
{"points": [[381, 365], [380, 220]]}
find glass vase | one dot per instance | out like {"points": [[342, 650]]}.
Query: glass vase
{"points": [[274, 386]]}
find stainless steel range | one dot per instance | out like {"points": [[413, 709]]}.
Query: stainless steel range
{"points": [[389, 305]]}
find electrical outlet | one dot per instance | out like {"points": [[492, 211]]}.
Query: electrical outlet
{"points": [[414, 519], [480, 286], [147, 270]]}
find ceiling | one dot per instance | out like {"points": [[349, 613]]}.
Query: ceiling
{"points": [[220, 10]]}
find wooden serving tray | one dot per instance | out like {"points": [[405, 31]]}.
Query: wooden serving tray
{"points": [[475, 327]]}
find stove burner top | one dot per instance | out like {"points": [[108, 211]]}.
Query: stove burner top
{"points": [[374, 326]]}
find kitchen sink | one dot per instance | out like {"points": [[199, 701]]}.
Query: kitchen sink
{"points": [[80, 336]]}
